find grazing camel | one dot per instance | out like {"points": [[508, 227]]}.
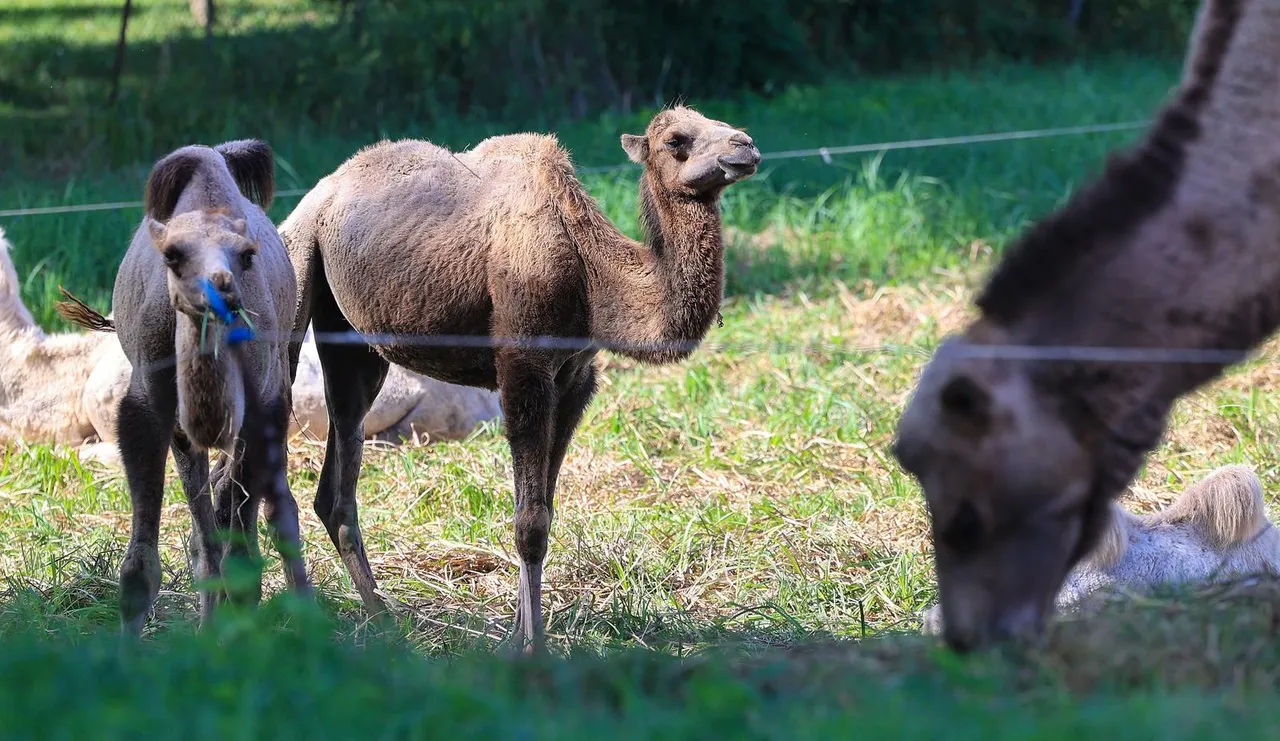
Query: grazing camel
{"points": [[1175, 248], [499, 243], [1217, 529], [203, 243]]}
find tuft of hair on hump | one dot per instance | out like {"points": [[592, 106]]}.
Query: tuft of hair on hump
{"points": [[81, 314], [1134, 186], [253, 166], [169, 177], [1114, 541], [1226, 506]]}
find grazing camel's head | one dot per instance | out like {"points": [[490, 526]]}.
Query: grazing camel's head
{"points": [[1009, 489], [691, 154], [198, 246]]}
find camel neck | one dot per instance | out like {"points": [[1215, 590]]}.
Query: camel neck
{"points": [[210, 394], [665, 292]]}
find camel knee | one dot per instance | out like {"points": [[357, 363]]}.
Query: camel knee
{"points": [[533, 530]]}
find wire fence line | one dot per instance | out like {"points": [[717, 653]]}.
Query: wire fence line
{"points": [[826, 153], [1037, 353]]}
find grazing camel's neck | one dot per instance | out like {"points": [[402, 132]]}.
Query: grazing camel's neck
{"points": [[655, 301], [1177, 247]]}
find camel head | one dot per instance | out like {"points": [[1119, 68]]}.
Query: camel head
{"points": [[689, 153], [202, 245], [1010, 491]]}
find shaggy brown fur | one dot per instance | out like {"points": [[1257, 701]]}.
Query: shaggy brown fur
{"points": [[503, 242], [200, 226], [1175, 247]]}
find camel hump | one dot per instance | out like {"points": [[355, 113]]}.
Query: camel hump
{"points": [[13, 313], [253, 167], [1226, 506], [246, 164]]}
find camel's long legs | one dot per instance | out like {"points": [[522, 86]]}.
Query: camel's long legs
{"points": [[193, 470], [265, 464], [353, 376], [145, 423], [576, 390], [237, 519], [529, 399]]}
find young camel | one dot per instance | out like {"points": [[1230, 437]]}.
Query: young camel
{"points": [[1218, 529], [1176, 247], [497, 243], [202, 239]]}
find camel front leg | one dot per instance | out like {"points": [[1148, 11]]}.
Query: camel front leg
{"points": [[193, 470], [145, 424], [529, 398]]}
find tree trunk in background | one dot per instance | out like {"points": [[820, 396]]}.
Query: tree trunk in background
{"points": [[204, 13], [117, 69]]}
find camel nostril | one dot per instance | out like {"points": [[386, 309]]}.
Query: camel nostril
{"points": [[221, 280], [742, 140]]}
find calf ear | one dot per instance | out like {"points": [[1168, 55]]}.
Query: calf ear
{"points": [[636, 147], [156, 230]]}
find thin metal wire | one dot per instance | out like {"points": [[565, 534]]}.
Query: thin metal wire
{"points": [[826, 153], [1046, 353]]}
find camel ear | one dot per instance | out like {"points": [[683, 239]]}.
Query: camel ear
{"points": [[156, 230], [636, 147], [238, 226]]}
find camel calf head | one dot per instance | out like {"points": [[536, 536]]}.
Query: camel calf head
{"points": [[203, 246], [692, 154]]}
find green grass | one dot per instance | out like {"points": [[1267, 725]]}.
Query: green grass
{"points": [[735, 554]]}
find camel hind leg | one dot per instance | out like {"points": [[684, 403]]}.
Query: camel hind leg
{"points": [[267, 473], [193, 470], [353, 376]]}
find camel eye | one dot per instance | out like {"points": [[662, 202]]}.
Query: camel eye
{"points": [[246, 259], [173, 257], [677, 141], [964, 533]]}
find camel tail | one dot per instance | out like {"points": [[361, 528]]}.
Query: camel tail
{"points": [[82, 315], [14, 316]]}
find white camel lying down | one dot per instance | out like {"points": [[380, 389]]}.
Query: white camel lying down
{"points": [[65, 388], [1217, 529]]}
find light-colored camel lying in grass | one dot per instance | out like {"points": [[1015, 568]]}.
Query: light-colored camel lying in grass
{"points": [[1217, 529], [65, 388], [1158, 276]]}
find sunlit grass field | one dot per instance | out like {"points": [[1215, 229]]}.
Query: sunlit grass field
{"points": [[735, 553]]}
